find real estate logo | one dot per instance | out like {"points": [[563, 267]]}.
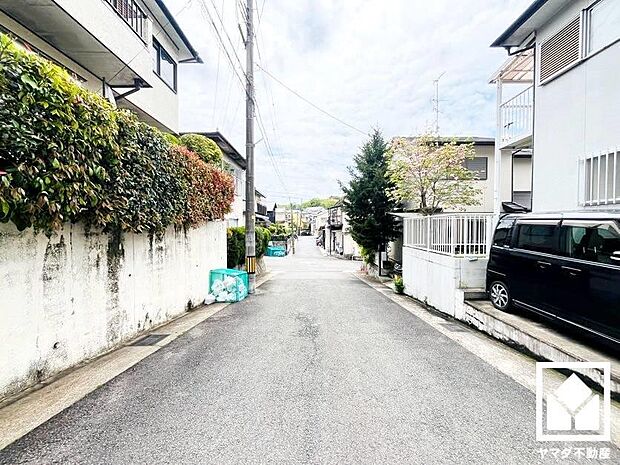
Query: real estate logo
{"points": [[570, 410]]}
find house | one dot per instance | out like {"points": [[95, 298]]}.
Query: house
{"points": [[337, 235], [564, 56], [277, 214], [127, 50], [236, 165], [260, 209]]}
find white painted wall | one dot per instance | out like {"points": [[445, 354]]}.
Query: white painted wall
{"points": [[236, 215], [439, 280], [158, 105], [576, 114], [71, 297]]}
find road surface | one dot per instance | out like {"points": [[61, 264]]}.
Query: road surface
{"points": [[318, 367]]}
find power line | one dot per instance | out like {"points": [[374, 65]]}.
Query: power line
{"points": [[325, 112]]}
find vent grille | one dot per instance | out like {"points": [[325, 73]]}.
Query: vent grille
{"points": [[560, 51]]}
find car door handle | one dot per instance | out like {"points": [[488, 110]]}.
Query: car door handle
{"points": [[571, 271], [543, 265]]}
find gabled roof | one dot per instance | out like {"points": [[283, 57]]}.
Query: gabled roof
{"points": [[536, 15], [226, 147]]}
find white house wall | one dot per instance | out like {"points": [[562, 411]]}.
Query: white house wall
{"points": [[160, 101], [576, 114]]}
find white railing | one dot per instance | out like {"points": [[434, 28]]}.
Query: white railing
{"points": [[454, 234], [518, 117]]}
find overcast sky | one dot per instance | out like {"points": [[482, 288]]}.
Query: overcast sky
{"points": [[371, 63]]}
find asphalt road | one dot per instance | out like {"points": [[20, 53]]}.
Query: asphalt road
{"points": [[317, 367]]}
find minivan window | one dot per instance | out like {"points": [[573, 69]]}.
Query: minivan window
{"points": [[536, 237], [502, 232], [592, 242]]}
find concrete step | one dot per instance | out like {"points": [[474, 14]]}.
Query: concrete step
{"points": [[475, 294], [540, 340]]}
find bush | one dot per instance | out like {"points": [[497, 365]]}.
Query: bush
{"points": [[211, 191], [280, 232], [67, 155], [147, 188], [399, 285], [208, 150], [236, 244], [172, 139], [369, 256], [56, 140]]}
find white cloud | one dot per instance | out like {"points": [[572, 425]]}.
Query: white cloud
{"points": [[369, 62]]}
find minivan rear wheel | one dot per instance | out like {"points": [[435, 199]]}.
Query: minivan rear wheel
{"points": [[500, 296]]}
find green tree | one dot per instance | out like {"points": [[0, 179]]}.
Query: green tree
{"points": [[432, 173], [367, 203]]}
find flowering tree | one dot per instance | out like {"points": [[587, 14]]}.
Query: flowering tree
{"points": [[432, 173]]}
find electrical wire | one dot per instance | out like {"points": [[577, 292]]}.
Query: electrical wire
{"points": [[297, 94]]}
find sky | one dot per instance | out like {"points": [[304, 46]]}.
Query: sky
{"points": [[369, 63]]}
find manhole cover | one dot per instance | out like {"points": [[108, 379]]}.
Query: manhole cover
{"points": [[150, 340]]}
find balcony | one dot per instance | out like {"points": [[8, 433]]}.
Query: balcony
{"points": [[517, 120], [133, 15]]}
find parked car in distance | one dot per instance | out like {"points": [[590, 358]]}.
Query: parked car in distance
{"points": [[565, 267]]}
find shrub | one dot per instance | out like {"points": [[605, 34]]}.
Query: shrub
{"points": [[280, 232], [211, 191], [236, 244], [204, 147], [171, 138], [56, 140], [369, 256], [147, 188], [399, 285], [67, 155]]}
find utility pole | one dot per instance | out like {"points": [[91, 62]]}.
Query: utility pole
{"points": [[250, 237], [436, 103]]}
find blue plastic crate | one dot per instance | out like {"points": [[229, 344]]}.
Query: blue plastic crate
{"points": [[276, 251], [233, 285]]}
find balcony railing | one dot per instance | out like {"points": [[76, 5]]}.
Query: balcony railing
{"points": [[456, 235], [518, 117], [133, 15]]}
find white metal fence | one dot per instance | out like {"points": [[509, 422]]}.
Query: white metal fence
{"points": [[518, 116], [455, 234]]}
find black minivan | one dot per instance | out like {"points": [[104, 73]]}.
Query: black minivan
{"points": [[563, 266]]}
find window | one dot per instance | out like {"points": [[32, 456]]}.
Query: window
{"points": [[478, 166], [164, 66], [536, 237], [603, 25], [600, 179], [592, 241], [502, 233]]}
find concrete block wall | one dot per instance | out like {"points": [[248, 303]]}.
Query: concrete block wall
{"points": [[79, 293], [439, 280]]}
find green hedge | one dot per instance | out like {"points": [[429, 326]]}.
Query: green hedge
{"points": [[236, 244], [67, 155], [208, 150]]}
